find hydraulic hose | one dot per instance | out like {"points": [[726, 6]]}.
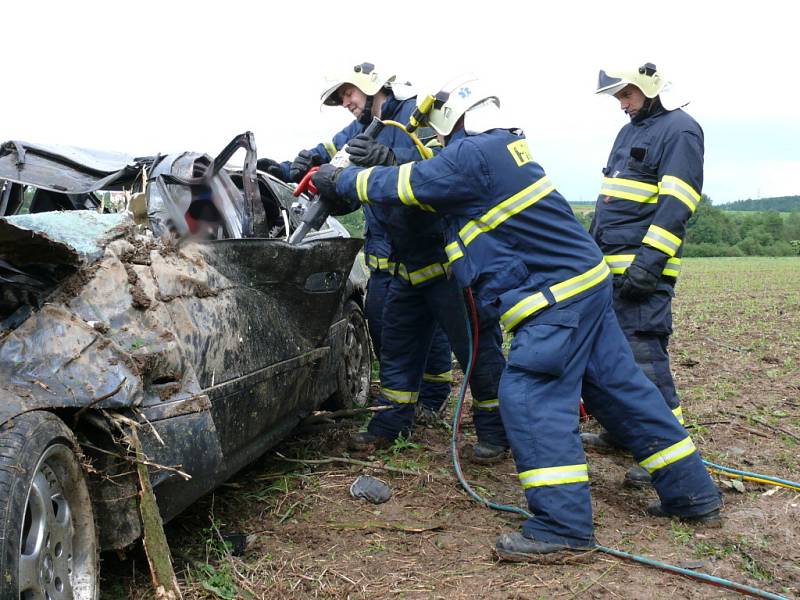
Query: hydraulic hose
{"points": [[424, 152], [747, 476], [471, 321]]}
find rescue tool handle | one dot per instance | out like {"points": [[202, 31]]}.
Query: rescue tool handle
{"points": [[306, 185]]}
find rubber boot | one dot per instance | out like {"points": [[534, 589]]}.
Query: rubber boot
{"points": [[486, 453], [710, 519], [600, 441], [638, 477], [515, 547], [364, 441]]}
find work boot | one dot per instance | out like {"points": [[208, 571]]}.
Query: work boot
{"points": [[638, 477], [486, 453], [426, 416], [364, 441], [709, 519], [515, 547], [600, 441]]}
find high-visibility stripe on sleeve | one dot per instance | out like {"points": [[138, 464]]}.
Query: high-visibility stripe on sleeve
{"points": [[362, 181], [661, 239], [404, 191], [490, 404], [453, 251], [445, 377], [618, 264], [629, 189], [667, 456], [554, 476], [399, 397], [506, 209], [330, 148], [678, 412], [673, 186]]}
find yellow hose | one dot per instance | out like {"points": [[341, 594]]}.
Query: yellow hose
{"points": [[424, 152]]}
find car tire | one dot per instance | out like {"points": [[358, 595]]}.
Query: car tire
{"points": [[354, 374], [47, 530]]}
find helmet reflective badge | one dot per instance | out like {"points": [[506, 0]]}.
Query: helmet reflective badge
{"points": [[364, 76], [646, 78], [464, 96]]}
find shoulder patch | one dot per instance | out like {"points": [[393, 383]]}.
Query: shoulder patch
{"points": [[520, 151]]}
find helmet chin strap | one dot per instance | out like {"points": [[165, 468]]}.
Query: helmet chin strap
{"points": [[366, 115], [650, 106]]}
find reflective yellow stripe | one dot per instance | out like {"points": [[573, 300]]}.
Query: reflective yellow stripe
{"points": [[561, 291], [421, 275], [554, 476], [666, 457], [672, 268], [453, 251], [489, 404], [618, 263], [576, 285], [445, 377], [678, 412], [506, 209], [372, 261], [404, 191], [379, 263], [663, 240], [330, 148], [629, 189], [361, 185], [398, 396], [672, 186]]}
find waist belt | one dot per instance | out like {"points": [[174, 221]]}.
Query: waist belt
{"points": [[618, 263], [560, 292]]}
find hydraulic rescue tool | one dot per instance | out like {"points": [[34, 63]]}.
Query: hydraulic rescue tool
{"points": [[317, 209]]}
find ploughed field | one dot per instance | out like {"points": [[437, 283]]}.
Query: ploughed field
{"points": [[736, 358]]}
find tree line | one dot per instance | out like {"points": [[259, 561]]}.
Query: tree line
{"points": [[713, 231]]}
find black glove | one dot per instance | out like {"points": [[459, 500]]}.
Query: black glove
{"points": [[271, 167], [325, 181], [366, 152], [302, 163], [637, 283]]}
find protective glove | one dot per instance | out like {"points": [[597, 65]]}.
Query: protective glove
{"points": [[637, 283], [325, 181], [302, 163], [366, 152], [271, 167]]}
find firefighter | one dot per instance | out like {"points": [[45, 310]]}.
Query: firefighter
{"points": [[364, 92], [513, 239], [651, 187], [413, 309]]}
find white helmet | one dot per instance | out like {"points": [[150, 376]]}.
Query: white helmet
{"points": [[465, 95], [363, 76], [646, 78]]}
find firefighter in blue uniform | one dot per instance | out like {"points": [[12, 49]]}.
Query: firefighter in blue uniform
{"points": [[414, 309], [514, 240], [651, 187], [370, 93]]}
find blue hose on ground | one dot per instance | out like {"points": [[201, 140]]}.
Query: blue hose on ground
{"points": [[472, 329]]}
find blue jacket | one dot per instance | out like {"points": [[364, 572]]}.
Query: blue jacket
{"points": [[651, 187], [386, 232], [511, 235]]}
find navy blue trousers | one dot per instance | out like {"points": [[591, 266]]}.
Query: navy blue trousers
{"points": [[410, 316], [579, 350], [437, 377], [647, 324]]}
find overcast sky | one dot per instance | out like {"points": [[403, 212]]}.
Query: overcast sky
{"points": [[145, 77]]}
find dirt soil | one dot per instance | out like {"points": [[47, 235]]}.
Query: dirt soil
{"points": [[735, 355]]}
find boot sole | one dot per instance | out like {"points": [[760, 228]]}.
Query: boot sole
{"points": [[559, 557], [490, 460]]}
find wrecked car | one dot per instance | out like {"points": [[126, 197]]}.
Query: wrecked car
{"points": [[152, 313]]}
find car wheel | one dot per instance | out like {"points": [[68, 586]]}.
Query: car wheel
{"points": [[49, 544], [354, 374]]}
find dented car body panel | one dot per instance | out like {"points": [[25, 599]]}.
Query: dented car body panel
{"points": [[217, 347]]}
